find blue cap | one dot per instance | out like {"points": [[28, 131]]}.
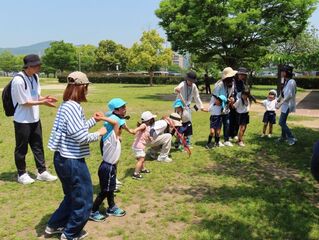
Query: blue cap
{"points": [[178, 103], [115, 103]]}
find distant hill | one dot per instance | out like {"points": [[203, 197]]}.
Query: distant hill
{"points": [[37, 48]]}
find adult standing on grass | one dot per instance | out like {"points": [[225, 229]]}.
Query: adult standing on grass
{"points": [[70, 140], [207, 84], [26, 97], [187, 91], [287, 103], [225, 87]]}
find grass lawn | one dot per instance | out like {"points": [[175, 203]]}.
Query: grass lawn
{"points": [[262, 191]]}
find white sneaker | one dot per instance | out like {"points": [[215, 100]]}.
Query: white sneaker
{"points": [[263, 135], [220, 144], [236, 138], [228, 144], [241, 144], [118, 182], [25, 179], [46, 176], [82, 235], [231, 139], [164, 159], [269, 136]]}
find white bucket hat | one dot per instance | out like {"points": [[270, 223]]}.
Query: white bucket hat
{"points": [[228, 72], [146, 116]]}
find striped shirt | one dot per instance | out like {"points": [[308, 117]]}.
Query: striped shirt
{"points": [[70, 133]]}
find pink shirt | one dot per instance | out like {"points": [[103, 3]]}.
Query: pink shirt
{"points": [[142, 138]]}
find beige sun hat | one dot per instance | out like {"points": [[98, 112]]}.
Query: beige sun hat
{"points": [[228, 72], [146, 116], [78, 78]]}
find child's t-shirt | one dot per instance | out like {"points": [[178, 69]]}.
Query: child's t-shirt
{"points": [[186, 116], [109, 127], [269, 105], [242, 106], [142, 138], [111, 149], [214, 109]]}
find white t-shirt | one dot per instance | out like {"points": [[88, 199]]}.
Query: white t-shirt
{"points": [[20, 95], [186, 116], [240, 107], [159, 127], [270, 105], [188, 93], [112, 149], [213, 108]]}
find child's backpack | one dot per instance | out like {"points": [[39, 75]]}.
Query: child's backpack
{"points": [[7, 102]]}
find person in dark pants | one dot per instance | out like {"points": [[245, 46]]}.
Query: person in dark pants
{"points": [[70, 140], [26, 97], [207, 84], [315, 161]]}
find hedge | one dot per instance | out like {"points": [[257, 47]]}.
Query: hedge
{"points": [[303, 82]]}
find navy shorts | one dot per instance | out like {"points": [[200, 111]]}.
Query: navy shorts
{"points": [[186, 129], [107, 177], [216, 122], [269, 117], [243, 118]]}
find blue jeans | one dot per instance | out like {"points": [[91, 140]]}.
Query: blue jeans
{"points": [[285, 131], [75, 209], [225, 119]]}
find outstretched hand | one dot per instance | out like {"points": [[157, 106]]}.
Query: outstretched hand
{"points": [[98, 116]]}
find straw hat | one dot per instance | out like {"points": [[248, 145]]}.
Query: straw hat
{"points": [[228, 72]]}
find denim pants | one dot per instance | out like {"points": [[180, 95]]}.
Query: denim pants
{"points": [[75, 209], [225, 120], [285, 131]]}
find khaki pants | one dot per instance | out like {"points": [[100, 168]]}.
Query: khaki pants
{"points": [[164, 142]]}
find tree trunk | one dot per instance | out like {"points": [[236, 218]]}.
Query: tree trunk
{"points": [[151, 73], [279, 83]]}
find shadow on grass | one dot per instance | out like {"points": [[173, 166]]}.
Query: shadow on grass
{"points": [[8, 176], [40, 227], [273, 197]]}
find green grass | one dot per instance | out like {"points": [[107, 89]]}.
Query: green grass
{"points": [[262, 191]]}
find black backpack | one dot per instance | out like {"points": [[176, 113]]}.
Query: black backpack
{"points": [[7, 102]]}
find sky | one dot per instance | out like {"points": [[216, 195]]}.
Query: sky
{"points": [[25, 22]]}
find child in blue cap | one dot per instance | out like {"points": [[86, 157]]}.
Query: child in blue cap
{"points": [[111, 151], [187, 128], [216, 106]]}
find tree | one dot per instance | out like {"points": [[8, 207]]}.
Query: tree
{"points": [[110, 56], [7, 62], [86, 57], [61, 56], [149, 54], [235, 30]]}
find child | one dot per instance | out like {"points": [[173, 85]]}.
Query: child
{"points": [[216, 107], [142, 138], [186, 129], [270, 114], [242, 106], [111, 151]]}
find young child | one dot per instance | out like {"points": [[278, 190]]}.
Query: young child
{"points": [[270, 114], [186, 129], [242, 106], [216, 105], [142, 138], [111, 151]]}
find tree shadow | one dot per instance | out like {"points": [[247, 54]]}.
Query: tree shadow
{"points": [[170, 97], [274, 195], [311, 101], [8, 176]]}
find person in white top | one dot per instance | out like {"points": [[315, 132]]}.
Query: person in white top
{"points": [[186, 92], [270, 113], [26, 96], [287, 102], [242, 106]]}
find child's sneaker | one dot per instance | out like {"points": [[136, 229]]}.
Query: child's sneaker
{"points": [[269, 136], [97, 217], [228, 144], [241, 143], [82, 235], [145, 171], [279, 140], [220, 144], [50, 231], [117, 212], [137, 176], [236, 138], [209, 145], [291, 142], [118, 182], [263, 135], [164, 159]]}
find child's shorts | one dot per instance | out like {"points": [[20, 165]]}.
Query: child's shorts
{"points": [[215, 122], [269, 117], [186, 129], [139, 153], [243, 118], [107, 177]]}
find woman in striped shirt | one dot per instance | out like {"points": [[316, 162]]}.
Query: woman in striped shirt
{"points": [[70, 140]]}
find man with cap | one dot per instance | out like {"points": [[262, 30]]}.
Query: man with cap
{"points": [[26, 96], [287, 103], [226, 87], [187, 90]]}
